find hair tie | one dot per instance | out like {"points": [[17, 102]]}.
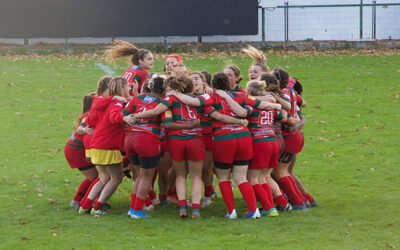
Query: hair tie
{"points": [[262, 84]]}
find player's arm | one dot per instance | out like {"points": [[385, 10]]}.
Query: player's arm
{"points": [[180, 126], [236, 108], [228, 119], [159, 109], [186, 99], [285, 103]]}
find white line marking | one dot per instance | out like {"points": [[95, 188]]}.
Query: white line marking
{"points": [[105, 68]]}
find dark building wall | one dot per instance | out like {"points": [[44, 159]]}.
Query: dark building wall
{"points": [[129, 18]]}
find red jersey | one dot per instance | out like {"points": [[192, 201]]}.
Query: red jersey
{"points": [[205, 120], [223, 131], [277, 125], [109, 133], [238, 88], [76, 140], [140, 104], [261, 124], [293, 110], [99, 106], [96, 113], [136, 74], [180, 113]]}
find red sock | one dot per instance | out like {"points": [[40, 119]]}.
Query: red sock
{"points": [[162, 197], [148, 201], [268, 191], [281, 201], [225, 187], [296, 188], [262, 197], [87, 203], [182, 203], [139, 203], [208, 190], [83, 187], [152, 194], [96, 205], [287, 186], [309, 197], [88, 191], [248, 196], [195, 205], [133, 199]]}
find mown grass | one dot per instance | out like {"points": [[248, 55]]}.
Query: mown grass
{"points": [[349, 162]]}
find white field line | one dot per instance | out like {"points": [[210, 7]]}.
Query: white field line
{"points": [[105, 68]]}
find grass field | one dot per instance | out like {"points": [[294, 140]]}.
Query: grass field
{"points": [[350, 162]]}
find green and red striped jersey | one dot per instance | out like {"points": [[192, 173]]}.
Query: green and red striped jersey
{"points": [[140, 104], [294, 110], [261, 124], [223, 131], [136, 74], [180, 113], [206, 122], [76, 140]]}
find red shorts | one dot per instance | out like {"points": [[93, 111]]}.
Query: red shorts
{"points": [[233, 150], [294, 144], [266, 154], [142, 144], [281, 143], [208, 141], [76, 157], [191, 149], [164, 147]]}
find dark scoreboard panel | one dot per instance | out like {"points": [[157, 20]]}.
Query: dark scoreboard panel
{"points": [[131, 18]]}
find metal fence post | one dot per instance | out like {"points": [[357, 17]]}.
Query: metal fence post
{"points": [[374, 19], [361, 19], [165, 44], [286, 22], [263, 24]]}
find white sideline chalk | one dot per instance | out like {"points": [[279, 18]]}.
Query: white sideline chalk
{"points": [[105, 68]]}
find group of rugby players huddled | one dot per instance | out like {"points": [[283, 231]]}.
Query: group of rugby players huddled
{"points": [[167, 126]]}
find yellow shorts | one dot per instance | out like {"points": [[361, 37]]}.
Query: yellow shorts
{"points": [[104, 156], [87, 153]]}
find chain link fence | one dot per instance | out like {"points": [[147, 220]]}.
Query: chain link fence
{"points": [[365, 20]]}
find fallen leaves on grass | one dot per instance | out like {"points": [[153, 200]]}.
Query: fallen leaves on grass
{"points": [[25, 238], [390, 245], [381, 127], [13, 212], [54, 234], [52, 201], [321, 122], [39, 190], [10, 84], [87, 235], [29, 206], [54, 150], [323, 139], [341, 135], [48, 171], [22, 223], [53, 227]]}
